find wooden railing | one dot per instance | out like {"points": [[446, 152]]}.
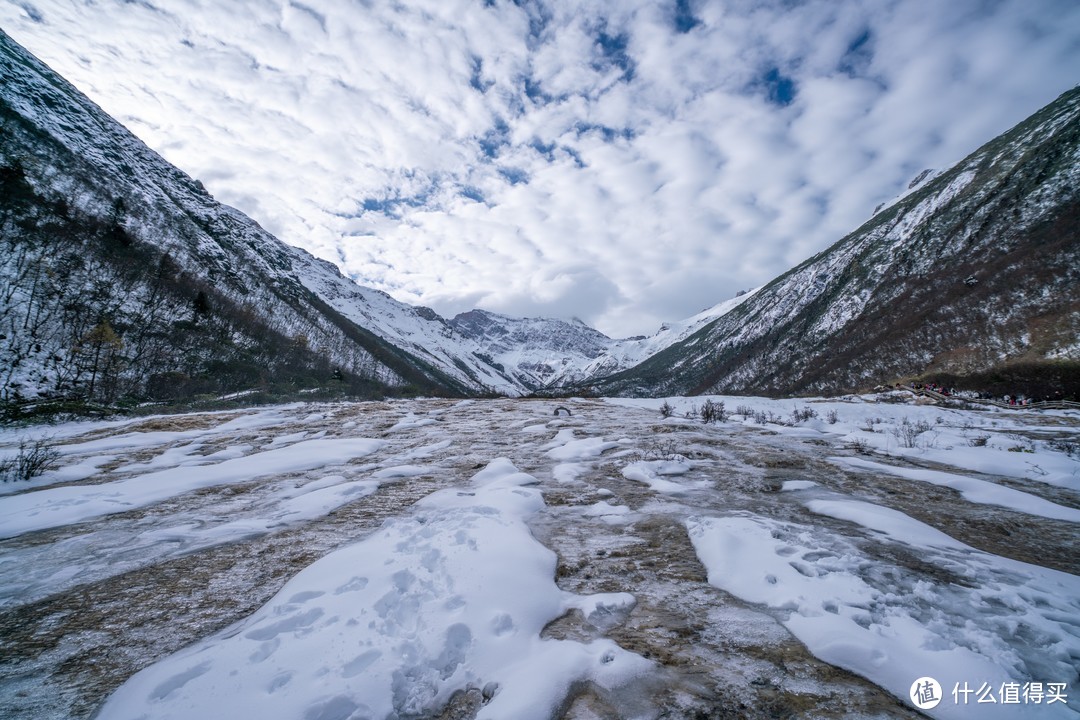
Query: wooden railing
{"points": [[1040, 405]]}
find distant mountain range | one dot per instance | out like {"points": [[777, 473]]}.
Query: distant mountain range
{"points": [[123, 279]]}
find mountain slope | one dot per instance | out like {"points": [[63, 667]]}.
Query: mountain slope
{"points": [[975, 269], [422, 332], [537, 352], [122, 276]]}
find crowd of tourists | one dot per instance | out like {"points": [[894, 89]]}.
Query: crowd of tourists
{"points": [[1013, 400]]}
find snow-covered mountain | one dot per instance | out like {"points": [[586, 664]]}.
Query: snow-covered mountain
{"points": [[420, 331], [122, 277], [630, 352], [542, 353], [537, 352], [492, 352], [971, 270]]}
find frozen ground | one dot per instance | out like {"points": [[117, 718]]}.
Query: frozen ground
{"points": [[442, 559]]}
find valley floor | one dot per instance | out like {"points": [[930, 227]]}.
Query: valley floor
{"points": [[443, 559]]}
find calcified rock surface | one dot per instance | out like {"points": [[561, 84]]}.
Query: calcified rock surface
{"points": [[632, 505]]}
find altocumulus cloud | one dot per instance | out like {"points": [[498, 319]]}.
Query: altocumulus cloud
{"points": [[625, 162]]}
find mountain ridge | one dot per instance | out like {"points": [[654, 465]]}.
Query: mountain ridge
{"points": [[1006, 212], [80, 174]]}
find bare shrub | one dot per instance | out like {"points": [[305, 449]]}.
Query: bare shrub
{"points": [[713, 412], [763, 417], [798, 416], [860, 446], [34, 458], [745, 410], [832, 417], [978, 441], [907, 433], [1023, 444], [667, 449], [666, 410], [1066, 445]]}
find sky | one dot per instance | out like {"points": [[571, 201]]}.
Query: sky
{"points": [[625, 162]]}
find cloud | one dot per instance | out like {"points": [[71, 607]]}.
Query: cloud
{"points": [[626, 162]]}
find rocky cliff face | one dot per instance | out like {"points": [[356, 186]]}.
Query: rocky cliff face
{"points": [[975, 269]]}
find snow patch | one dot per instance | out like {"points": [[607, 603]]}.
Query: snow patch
{"points": [[972, 489], [891, 627], [53, 507], [454, 596], [650, 472]]}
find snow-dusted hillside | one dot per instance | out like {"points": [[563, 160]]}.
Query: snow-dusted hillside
{"points": [[972, 269], [628, 353], [537, 352], [109, 249], [486, 350], [422, 332], [484, 559]]}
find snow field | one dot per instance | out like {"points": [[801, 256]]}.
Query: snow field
{"points": [[654, 473], [53, 507], [33, 570], [1001, 621], [1008, 622], [973, 489], [454, 591], [454, 595], [875, 422], [59, 437]]}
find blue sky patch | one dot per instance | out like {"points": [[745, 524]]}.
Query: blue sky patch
{"points": [[779, 89], [495, 139], [476, 79], [473, 193], [514, 176], [613, 53], [609, 134], [685, 21], [857, 57]]}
